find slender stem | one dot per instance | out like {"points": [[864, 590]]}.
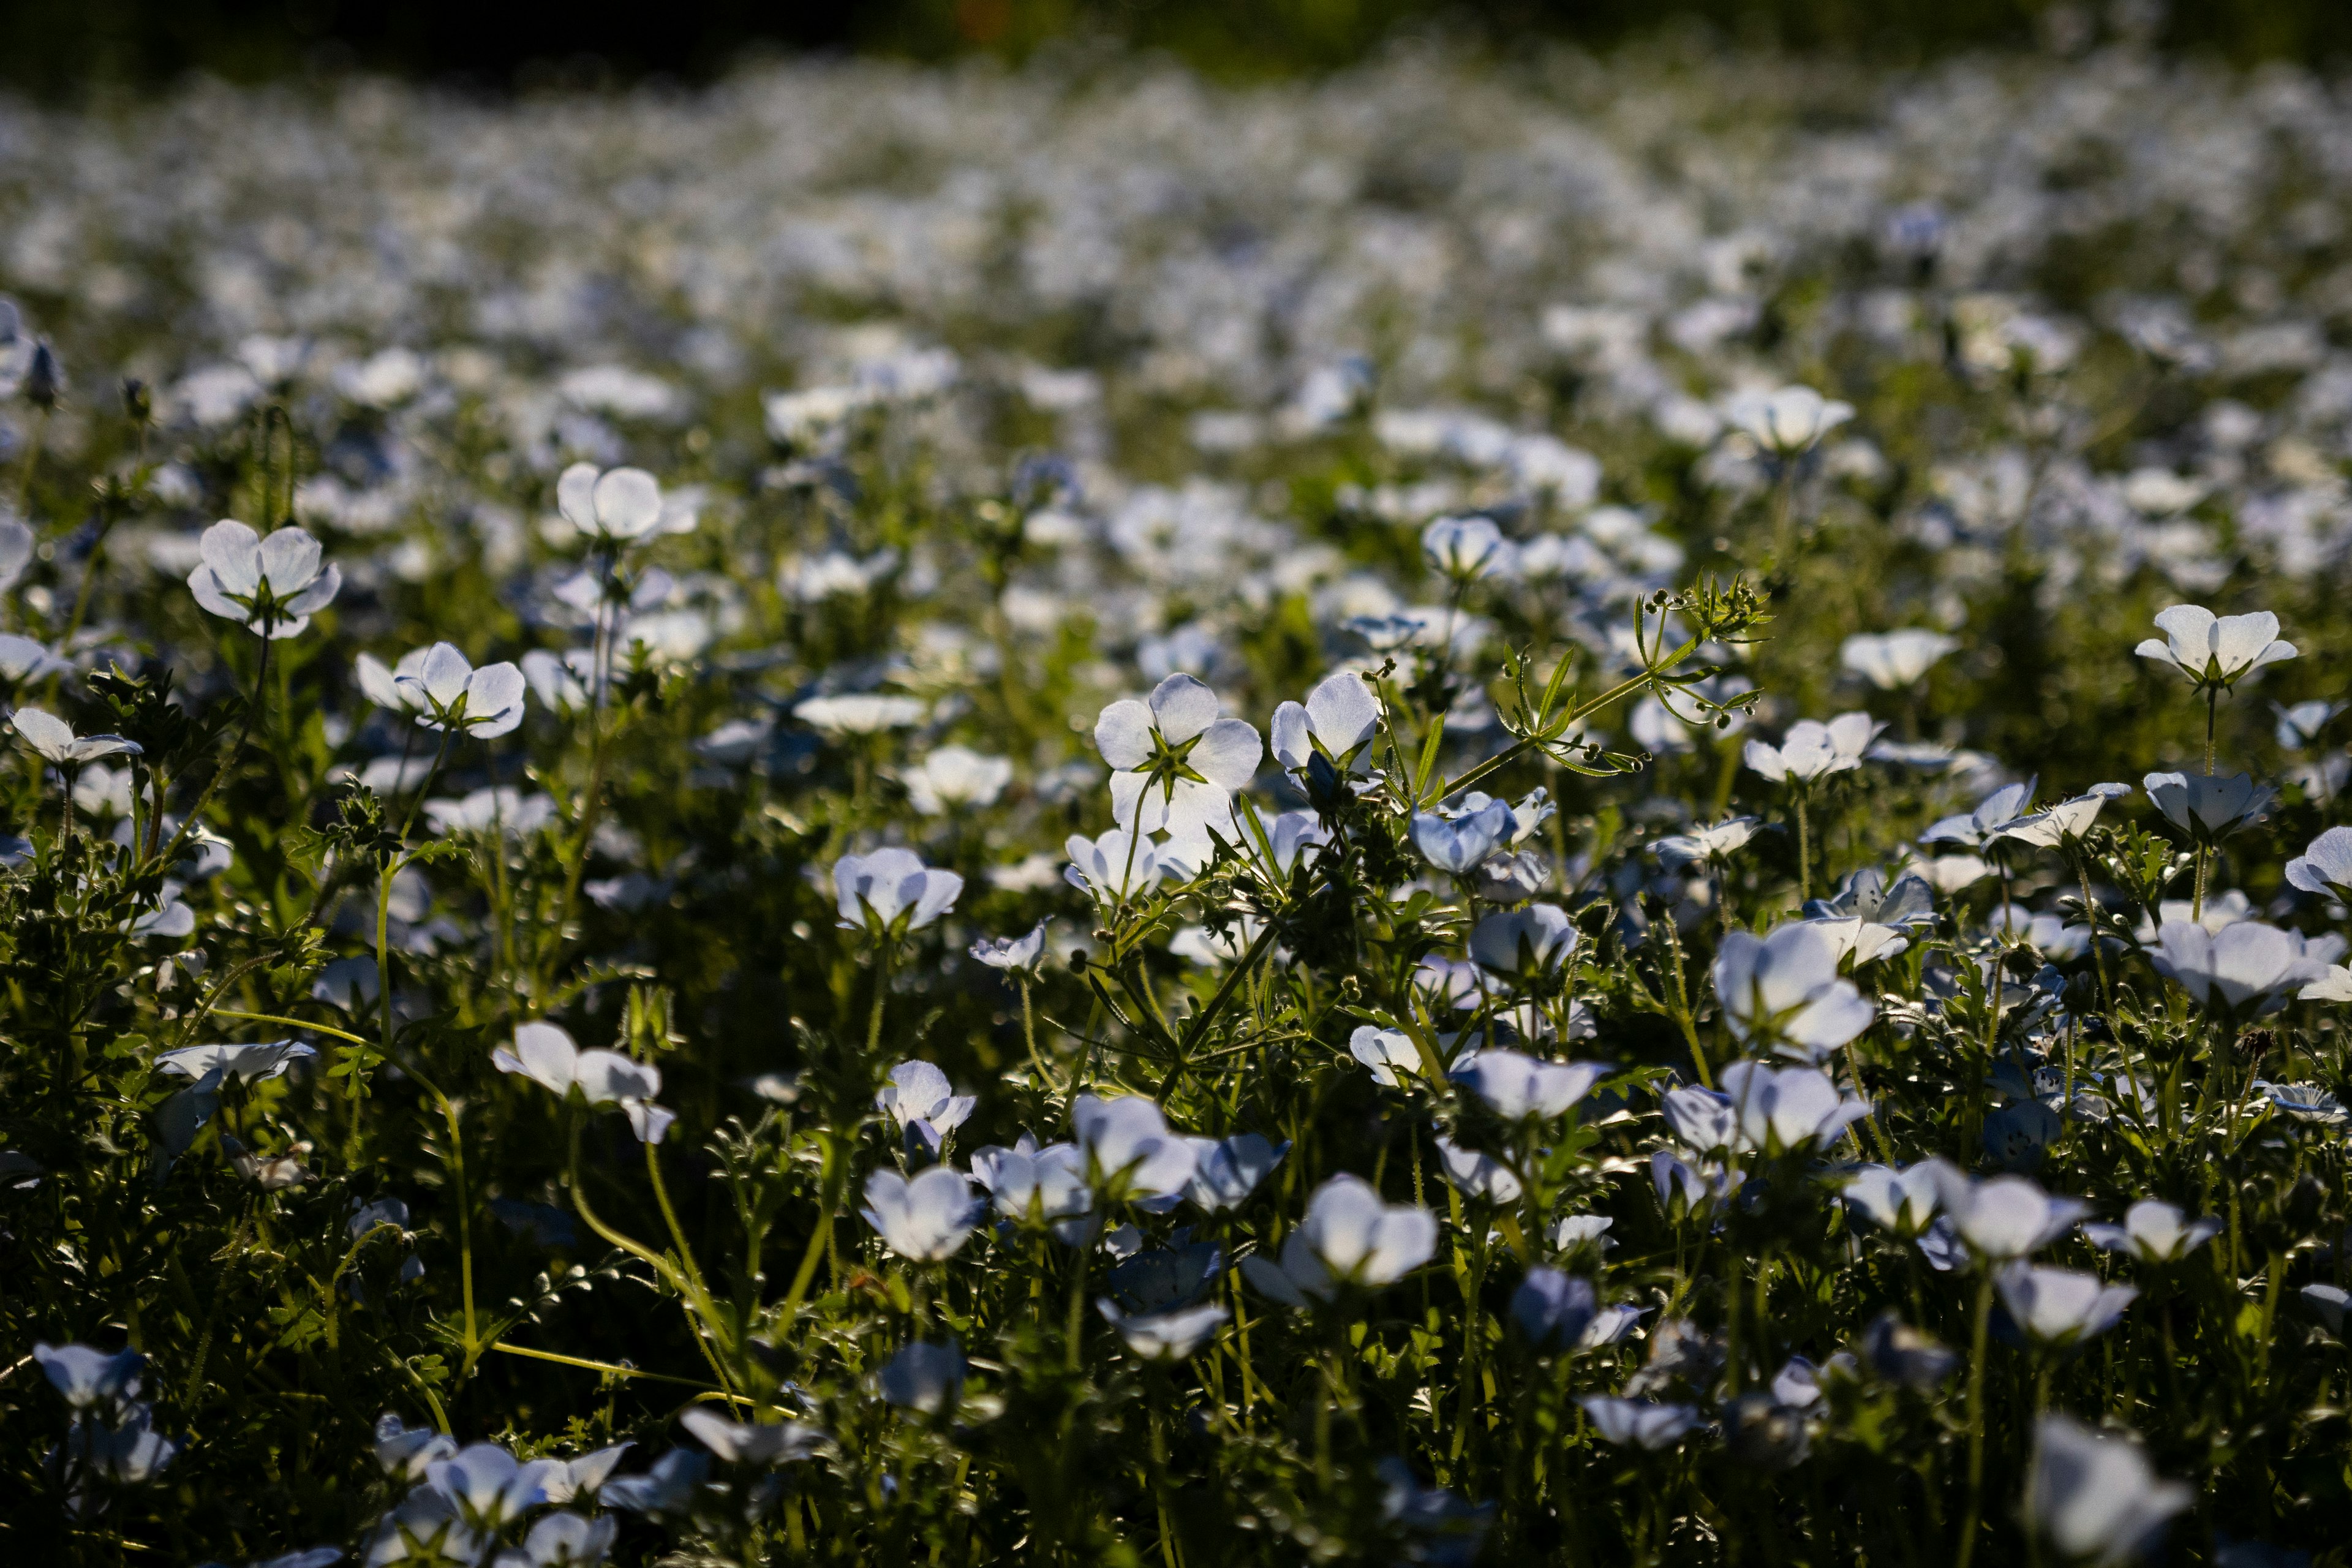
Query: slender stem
{"points": [[1966, 1550], [1804, 852], [235, 755]]}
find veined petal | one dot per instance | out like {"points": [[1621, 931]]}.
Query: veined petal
{"points": [[1123, 733], [1183, 708], [1227, 754], [233, 550]]}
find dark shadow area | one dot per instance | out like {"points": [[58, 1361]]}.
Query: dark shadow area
{"points": [[54, 48]]}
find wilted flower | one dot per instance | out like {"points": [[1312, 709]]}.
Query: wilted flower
{"points": [[925, 1219], [272, 585], [2304, 1102], [408, 1451], [2095, 1497], [2216, 651]]}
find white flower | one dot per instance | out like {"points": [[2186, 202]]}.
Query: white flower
{"points": [[1226, 1171], [761, 1443], [1994, 813], [2056, 825], [1348, 1238], [1517, 1087], [1467, 548], [271, 585], [1115, 867], [2245, 965], [24, 660], [1903, 1201], [1891, 660], [1461, 844], [1478, 1176], [2208, 807], [923, 1377], [2005, 1217], [1787, 1108], [1386, 1052], [1338, 718], [499, 808], [2154, 1232], [614, 509], [1716, 842], [918, 1098], [1525, 942], [2096, 1498], [858, 713], [1813, 750], [1014, 955], [1639, 1424], [1175, 764], [54, 739], [891, 891], [2334, 986], [1785, 988], [2216, 651], [246, 1064], [956, 778], [381, 685], [2324, 866], [1038, 1186], [92, 1379], [1163, 1336], [925, 1219], [447, 692], [2060, 1306], [545, 1054], [559, 1540], [1785, 421], [2305, 1102], [489, 1487], [1129, 1148]]}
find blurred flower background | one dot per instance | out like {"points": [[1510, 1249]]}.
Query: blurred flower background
{"points": [[1184, 784]]}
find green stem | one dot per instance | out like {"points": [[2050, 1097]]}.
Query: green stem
{"points": [[1966, 1550]]}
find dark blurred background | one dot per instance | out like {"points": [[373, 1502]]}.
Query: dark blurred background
{"points": [[62, 47]]}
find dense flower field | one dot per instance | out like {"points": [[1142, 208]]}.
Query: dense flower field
{"points": [[1545, 811]]}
